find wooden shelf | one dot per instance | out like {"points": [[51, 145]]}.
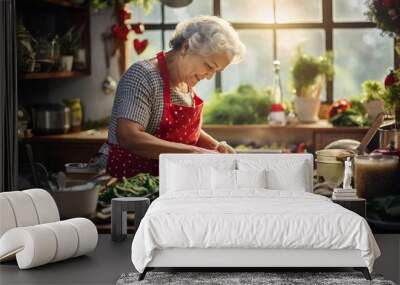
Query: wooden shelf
{"points": [[63, 3], [48, 75]]}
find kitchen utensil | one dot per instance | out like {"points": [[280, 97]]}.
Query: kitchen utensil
{"points": [[50, 118], [346, 144], [76, 203], [61, 177], [80, 168], [109, 84], [371, 132], [32, 164]]}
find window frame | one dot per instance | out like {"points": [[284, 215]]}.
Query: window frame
{"points": [[327, 24]]}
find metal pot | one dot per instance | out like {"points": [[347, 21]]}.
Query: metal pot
{"points": [[50, 119]]}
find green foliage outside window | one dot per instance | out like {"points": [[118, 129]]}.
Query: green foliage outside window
{"points": [[243, 105]]}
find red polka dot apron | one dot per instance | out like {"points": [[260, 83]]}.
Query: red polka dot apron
{"points": [[181, 124]]}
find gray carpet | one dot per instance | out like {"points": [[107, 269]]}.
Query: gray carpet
{"points": [[243, 278]]}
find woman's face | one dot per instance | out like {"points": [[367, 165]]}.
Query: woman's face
{"points": [[196, 67]]}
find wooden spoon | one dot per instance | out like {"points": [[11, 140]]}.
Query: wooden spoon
{"points": [[371, 132]]}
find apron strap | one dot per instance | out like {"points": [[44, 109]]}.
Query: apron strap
{"points": [[165, 77]]}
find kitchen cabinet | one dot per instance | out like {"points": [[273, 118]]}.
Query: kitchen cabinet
{"points": [[56, 150]]}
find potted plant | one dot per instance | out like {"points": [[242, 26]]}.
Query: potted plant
{"points": [[386, 15], [69, 45], [308, 78], [392, 95], [373, 93], [26, 54]]}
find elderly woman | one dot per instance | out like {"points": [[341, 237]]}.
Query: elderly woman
{"points": [[156, 109]]}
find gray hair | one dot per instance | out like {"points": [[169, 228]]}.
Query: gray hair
{"points": [[207, 35]]}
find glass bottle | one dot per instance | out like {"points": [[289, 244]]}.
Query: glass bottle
{"points": [[277, 116], [277, 86]]}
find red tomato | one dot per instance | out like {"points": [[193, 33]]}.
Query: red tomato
{"points": [[338, 107]]}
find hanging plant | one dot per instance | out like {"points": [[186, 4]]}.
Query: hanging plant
{"points": [[386, 15], [103, 4]]}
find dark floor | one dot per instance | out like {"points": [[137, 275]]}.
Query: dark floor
{"points": [[102, 266]]}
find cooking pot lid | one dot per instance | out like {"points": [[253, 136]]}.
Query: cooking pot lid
{"points": [[49, 107]]}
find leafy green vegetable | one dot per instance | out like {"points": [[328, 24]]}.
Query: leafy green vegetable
{"points": [[348, 118], [140, 185], [244, 105], [357, 105]]}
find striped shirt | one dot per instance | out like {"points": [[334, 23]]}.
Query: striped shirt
{"points": [[140, 98]]}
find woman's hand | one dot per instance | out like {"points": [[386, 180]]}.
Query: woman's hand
{"points": [[223, 147]]}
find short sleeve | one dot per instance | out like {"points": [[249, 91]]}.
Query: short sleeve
{"points": [[133, 97]]}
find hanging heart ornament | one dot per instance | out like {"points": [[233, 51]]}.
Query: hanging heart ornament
{"points": [[138, 28], [139, 45]]}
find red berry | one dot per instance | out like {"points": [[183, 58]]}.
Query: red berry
{"points": [[390, 79]]}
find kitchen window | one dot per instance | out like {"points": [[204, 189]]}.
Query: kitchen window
{"points": [[272, 29]]}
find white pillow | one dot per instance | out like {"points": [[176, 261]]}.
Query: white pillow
{"points": [[251, 178], [282, 174], [183, 177], [278, 180], [223, 179]]}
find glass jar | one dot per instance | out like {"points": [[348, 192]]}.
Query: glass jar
{"points": [[389, 139], [376, 175], [76, 113]]}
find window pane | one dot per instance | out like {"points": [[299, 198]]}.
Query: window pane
{"points": [[205, 87], [197, 7], [313, 42], [360, 54], [291, 11], [138, 14], [349, 11], [256, 68], [154, 38], [259, 11]]}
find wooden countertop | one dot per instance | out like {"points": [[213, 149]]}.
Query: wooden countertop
{"points": [[98, 136], [84, 136]]}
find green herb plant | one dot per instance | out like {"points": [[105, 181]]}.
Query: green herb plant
{"points": [[243, 105], [372, 90], [26, 53], [309, 73], [71, 40]]}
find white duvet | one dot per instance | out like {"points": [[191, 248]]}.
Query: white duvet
{"points": [[253, 218]]}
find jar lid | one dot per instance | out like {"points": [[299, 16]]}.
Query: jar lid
{"points": [[377, 157]]}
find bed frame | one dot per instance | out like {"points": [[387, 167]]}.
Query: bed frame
{"points": [[246, 258], [242, 259]]}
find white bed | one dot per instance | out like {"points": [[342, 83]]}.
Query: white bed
{"points": [[280, 225]]}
